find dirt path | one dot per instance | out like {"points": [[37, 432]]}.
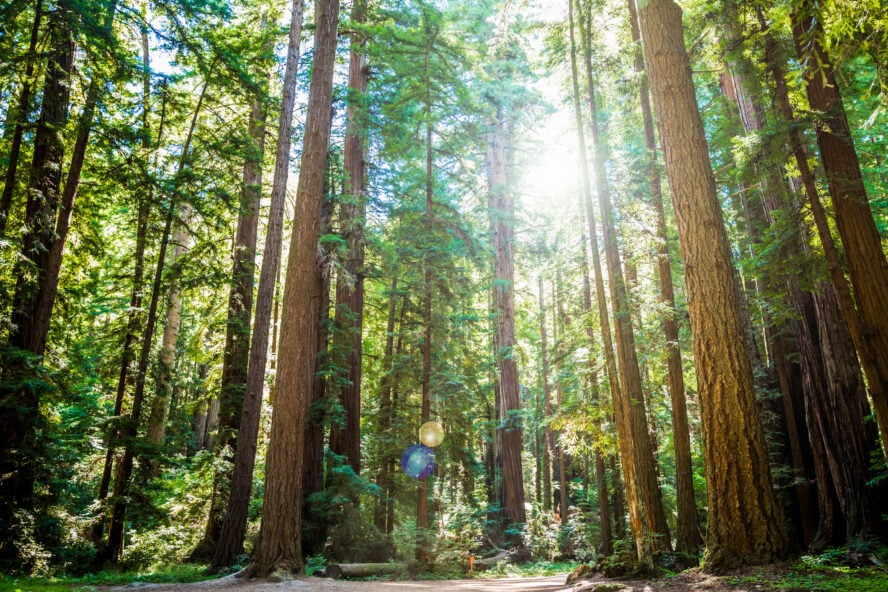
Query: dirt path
{"points": [[687, 581], [306, 584]]}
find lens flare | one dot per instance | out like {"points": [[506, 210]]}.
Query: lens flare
{"points": [[418, 461], [431, 434]]}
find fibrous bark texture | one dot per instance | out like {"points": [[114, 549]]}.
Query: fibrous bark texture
{"points": [[745, 525]]}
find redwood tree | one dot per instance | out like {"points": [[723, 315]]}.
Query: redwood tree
{"points": [[234, 524], [501, 205], [350, 285], [864, 253], [744, 526], [279, 545]]}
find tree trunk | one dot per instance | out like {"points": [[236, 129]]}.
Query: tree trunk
{"points": [[548, 451], [558, 315], [279, 545], [501, 206], [235, 357], [234, 524], [132, 327], [630, 375], [687, 529], [315, 524], [53, 263], [626, 445], [44, 187], [604, 507], [20, 416], [19, 116], [849, 440], [837, 397], [422, 513], [778, 290], [744, 526], [867, 264], [384, 435], [130, 428], [350, 287], [166, 359]]}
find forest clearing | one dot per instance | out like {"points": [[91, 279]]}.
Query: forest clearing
{"points": [[404, 290]]}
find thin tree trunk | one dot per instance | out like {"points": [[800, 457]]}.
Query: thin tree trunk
{"points": [[630, 375], [867, 264], [20, 415], [687, 530], [234, 525], [166, 358], [604, 507], [558, 315], [422, 514], [20, 117], [502, 215], [624, 437], [350, 289], [235, 358], [116, 532], [384, 435], [549, 450], [132, 328], [279, 545], [744, 526]]}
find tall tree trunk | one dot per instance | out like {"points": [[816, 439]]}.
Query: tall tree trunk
{"points": [[777, 290], [687, 529], [558, 315], [624, 434], [630, 375], [235, 357], [501, 205], [809, 183], [19, 117], [867, 264], [830, 322], [50, 276], [279, 545], [840, 413], [166, 359], [44, 186], [744, 526], [135, 306], [20, 416], [604, 507], [422, 514], [350, 289], [384, 435], [315, 523], [234, 525], [130, 428], [548, 451]]}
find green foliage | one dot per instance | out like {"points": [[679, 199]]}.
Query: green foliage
{"points": [[178, 573]]}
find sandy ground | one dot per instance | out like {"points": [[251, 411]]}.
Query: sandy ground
{"points": [[687, 581]]}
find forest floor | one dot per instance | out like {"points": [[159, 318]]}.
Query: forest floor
{"points": [[781, 577]]}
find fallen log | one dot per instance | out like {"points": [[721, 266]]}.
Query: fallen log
{"points": [[487, 563], [364, 570]]}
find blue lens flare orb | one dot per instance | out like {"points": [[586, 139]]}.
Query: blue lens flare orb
{"points": [[418, 461]]}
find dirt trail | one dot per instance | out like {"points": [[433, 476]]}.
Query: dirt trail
{"points": [[688, 581], [307, 584]]}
